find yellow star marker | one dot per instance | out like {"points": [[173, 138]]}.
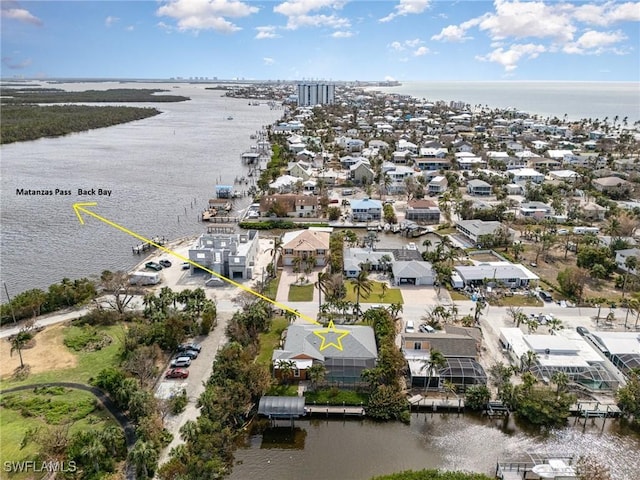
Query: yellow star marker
{"points": [[331, 329]]}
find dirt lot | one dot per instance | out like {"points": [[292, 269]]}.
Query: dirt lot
{"points": [[47, 353], [549, 271]]}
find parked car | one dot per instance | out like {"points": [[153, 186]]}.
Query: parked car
{"points": [[424, 328], [177, 373], [153, 266], [186, 265], [192, 354], [165, 263], [190, 346], [546, 296], [180, 361], [582, 331]]}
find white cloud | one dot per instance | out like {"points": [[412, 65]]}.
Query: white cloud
{"points": [[129, 28], [19, 14], [409, 45], [594, 42], [268, 61], [396, 46], [265, 32], [413, 43], [407, 7], [109, 21], [510, 57], [342, 34], [528, 19], [607, 13], [12, 64], [331, 21], [294, 8], [456, 33], [206, 14], [421, 51], [389, 78]]}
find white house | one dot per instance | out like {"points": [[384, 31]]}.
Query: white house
{"points": [[621, 258], [523, 175]]}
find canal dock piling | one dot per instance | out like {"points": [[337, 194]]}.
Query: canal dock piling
{"points": [[144, 247]]}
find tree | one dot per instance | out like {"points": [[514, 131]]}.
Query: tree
{"points": [[361, 286], [286, 369], [554, 325], [476, 397], [629, 396], [561, 379], [18, 342], [144, 457], [275, 251], [572, 281], [384, 287], [117, 284], [528, 360], [630, 263], [433, 364], [316, 374]]}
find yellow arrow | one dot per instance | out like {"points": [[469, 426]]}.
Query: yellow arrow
{"points": [[79, 208]]}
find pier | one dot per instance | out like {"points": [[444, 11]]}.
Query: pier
{"points": [[333, 410], [418, 402], [144, 247]]}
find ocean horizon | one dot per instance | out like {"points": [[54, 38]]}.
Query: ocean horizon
{"points": [[575, 99]]}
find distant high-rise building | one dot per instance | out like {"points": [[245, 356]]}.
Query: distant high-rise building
{"points": [[316, 94]]}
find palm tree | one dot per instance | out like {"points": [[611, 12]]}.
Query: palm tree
{"points": [[321, 284], [316, 374], [297, 261], [275, 250], [189, 431], [554, 325], [449, 387], [384, 287], [94, 451], [528, 360], [18, 342], [630, 263], [435, 362], [143, 455], [561, 379], [361, 286], [286, 368]]}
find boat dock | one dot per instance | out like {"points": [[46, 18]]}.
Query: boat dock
{"points": [[418, 402], [539, 466], [332, 410], [595, 410], [144, 247]]}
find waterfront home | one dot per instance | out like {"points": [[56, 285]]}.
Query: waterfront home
{"points": [[622, 348], [437, 185], [565, 351], [459, 350], [423, 211], [292, 205], [366, 210], [344, 366], [305, 244], [355, 259], [412, 272], [284, 184], [478, 188], [476, 229], [398, 176], [230, 255]]}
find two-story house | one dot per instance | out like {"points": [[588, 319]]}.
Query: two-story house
{"points": [[230, 255], [478, 188], [293, 205], [366, 210], [305, 244]]}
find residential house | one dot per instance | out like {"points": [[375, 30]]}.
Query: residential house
{"points": [[430, 152], [568, 176], [376, 260], [293, 205], [398, 177], [230, 255], [350, 160], [494, 273], [284, 184], [299, 170], [535, 210], [413, 272], [621, 258], [478, 187], [306, 345], [423, 211], [592, 211], [350, 144], [437, 185], [612, 185], [427, 164], [514, 189], [627, 164], [401, 157], [366, 210], [460, 351], [406, 146], [524, 175], [305, 244], [468, 161], [475, 229], [361, 173]]}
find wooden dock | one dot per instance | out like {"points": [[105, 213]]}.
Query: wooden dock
{"points": [[419, 402], [333, 410], [594, 409], [219, 219], [144, 247]]}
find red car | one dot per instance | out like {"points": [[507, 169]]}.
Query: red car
{"points": [[177, 373]]}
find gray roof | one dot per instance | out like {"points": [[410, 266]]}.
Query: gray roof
{"points": [[478, 183], [412, 269], [450, 345], [281, 406], [301, 341], [479, 227], [480, 272]]}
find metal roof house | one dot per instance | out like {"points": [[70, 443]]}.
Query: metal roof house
{"points": [[509, 274]]}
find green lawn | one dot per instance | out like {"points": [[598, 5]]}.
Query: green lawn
{"points": [[457, 295], [334, 396], [301, 293], [89, 363], [283, 390], [29, 410], [392, 295], [271, 289], [270, 340]]}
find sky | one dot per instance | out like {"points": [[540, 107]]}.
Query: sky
{"points": [[404, 40]]}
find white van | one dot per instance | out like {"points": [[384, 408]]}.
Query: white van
{"points": [[409, 327]]}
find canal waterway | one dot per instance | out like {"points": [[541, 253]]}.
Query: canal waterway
{"points": [[319, 449], [161, 171]]}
